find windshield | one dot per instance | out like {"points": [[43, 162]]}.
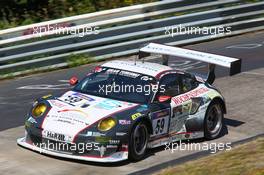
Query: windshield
{"points": [[118, 84]]}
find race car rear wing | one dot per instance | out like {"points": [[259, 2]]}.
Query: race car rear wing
{"points": [[233, 64]]}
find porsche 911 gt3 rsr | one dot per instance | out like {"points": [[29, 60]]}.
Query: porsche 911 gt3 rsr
{"points": [[122, 108]]}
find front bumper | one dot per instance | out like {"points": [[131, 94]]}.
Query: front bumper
{"points": [[115, 157]]}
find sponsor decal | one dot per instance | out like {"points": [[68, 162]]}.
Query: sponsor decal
{"points": [[212, 94], [142, 108], [146, 78], [185, 97], [85, 97], [111, 146], [177, 137], [124, 146], [114, 141], [57, 103], [73, 110], [95, 134], [85, 105], [177, 123], [160, 114], [129, 74], [124, 122], [112, 71], [160, 121], [136, 115], [56, 136], [31, 120], [72, 99], [179, 117], [183, 109], [66, 119], [109, 104], [120, 133], [102, 139]]}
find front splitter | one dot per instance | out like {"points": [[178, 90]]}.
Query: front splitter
{"points": [[115, 157]]}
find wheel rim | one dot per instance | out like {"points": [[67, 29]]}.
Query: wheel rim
{"points": [[214, 119], [140, 139]]}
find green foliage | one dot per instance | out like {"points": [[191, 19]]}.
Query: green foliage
{"points": [[22, 12], [78, 59], [246, 159]]}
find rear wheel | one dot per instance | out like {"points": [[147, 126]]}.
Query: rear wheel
{"points": [[213, 122], [138, 141]]}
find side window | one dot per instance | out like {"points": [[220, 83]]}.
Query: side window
{"points": [[169, 85], [188, 83]]}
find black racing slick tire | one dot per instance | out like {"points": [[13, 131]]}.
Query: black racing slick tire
{"points": [[213, 121], [138, 141]]}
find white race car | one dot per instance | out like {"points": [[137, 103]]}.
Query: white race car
{"points": [[96, 122]]}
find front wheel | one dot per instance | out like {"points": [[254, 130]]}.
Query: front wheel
{"points": [[138, 142], [213, 122]]}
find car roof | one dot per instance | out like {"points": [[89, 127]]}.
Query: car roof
{"points": [[147, 68]]}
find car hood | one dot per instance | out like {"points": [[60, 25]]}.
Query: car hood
{"points": [[74, 111]]}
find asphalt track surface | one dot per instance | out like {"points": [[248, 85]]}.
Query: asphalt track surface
{"points": [[244, 95], [14, 102]]}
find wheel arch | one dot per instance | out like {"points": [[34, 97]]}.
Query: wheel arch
{"points": [[221, 102], [147, 121]]}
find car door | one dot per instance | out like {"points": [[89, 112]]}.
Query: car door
{"points": [[161, 112], [181, 104]]}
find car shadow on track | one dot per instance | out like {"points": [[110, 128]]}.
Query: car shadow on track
{"points": [[232, 122], [227, 122]]}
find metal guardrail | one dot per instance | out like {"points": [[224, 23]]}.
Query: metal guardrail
{"points": [[130, 27], [21, 33], [144, 15]]}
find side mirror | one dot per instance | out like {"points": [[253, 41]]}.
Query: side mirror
{"points": [[73, 81], [164, 98]]}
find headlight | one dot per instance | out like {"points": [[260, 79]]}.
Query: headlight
{"points": [[39, 110], [106, 124]]}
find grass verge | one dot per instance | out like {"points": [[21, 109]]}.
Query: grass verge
{"points": [[245, 159]]}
